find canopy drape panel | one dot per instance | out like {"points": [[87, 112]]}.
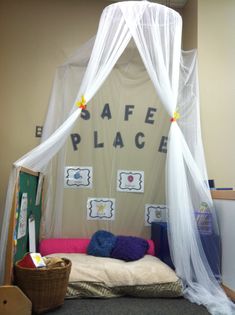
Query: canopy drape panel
{"points": [[156, 32]]}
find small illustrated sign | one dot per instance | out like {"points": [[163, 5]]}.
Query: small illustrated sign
{"points": [[37, 260], [130, 181], [100, 209], [155, 213], [22, 225], [78, 177]]}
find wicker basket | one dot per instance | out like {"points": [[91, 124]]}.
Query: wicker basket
{"points": [[45, 287]]}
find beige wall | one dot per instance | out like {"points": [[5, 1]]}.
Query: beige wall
{"points": [[216, 51], [35, 37], [209, 26], [189, 36]]}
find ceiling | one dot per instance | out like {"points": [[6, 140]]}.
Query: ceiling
{"points": [[168, 3], [172, 3]]}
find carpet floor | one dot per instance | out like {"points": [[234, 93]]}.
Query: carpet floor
{"points": [[129, 306]]}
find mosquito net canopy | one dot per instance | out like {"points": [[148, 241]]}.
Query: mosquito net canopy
{"points": [[131, 95]]}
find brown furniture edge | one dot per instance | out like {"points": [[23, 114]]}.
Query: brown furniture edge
{"points": [[14, 301], [229, 292], [10, 240], [223, 194], [28, 171]]}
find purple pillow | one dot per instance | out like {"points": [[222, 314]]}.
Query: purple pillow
{"points": [[129, 248]]}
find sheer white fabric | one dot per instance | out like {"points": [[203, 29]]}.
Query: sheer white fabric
{"points": [[156, 31]]}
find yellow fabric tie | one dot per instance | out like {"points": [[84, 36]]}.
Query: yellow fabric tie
{"points": [[175, 117], [82, 103]]}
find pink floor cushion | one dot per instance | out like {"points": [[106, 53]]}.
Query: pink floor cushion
{"points": [[63, 245], [73, 245]]}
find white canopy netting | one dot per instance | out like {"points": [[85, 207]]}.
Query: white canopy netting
{"points": [[154, 32]]}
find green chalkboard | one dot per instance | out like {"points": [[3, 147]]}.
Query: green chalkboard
{"points": [[27, 187]]}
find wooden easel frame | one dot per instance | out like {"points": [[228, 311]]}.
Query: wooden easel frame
{"points": [[8, 277]]}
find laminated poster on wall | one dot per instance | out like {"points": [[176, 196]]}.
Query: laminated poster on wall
{"points": [[100, 209], [32, 234], [39, 190], [22, 223], [78, 177], [130, 181], [155, 213]]}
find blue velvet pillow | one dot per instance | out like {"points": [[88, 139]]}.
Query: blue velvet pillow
{"points": [[101, 244], [129, 248]]}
